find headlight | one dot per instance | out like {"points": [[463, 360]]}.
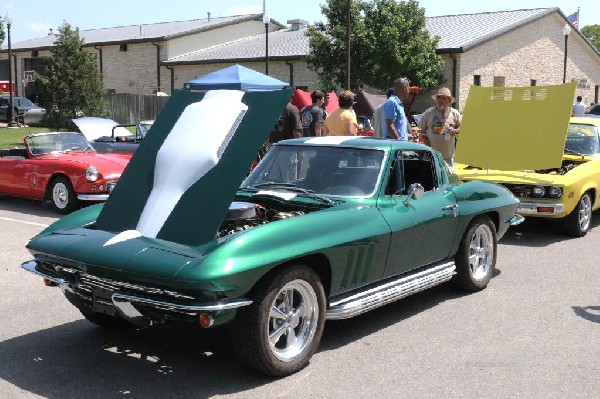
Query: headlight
{"points": [[92, 174], [539, 191], [555, 192]]}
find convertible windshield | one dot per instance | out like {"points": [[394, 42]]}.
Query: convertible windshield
{"points": [[57, 142], [336, 171], [582, 139]]}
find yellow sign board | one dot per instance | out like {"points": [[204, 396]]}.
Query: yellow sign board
{"points": [[515, 128]]}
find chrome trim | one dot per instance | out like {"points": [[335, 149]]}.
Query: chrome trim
{"points": [[515, 220], [381, 295], [119, 299], [30, 267], [125, 303], [92, 197], [530, 208]]}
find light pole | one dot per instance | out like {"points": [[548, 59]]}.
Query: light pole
{"points": [[566, 31], [266, 20], [11, 122]]}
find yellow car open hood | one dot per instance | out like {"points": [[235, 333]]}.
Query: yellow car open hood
{"points": [[515, 128]]}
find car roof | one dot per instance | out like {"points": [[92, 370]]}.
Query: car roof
{"points": [[353, 141], [586, 121]]}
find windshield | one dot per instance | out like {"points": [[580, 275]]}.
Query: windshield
{"points": [[582, 139], [57, 142], [336, 171]]}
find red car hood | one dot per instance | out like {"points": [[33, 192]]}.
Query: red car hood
{"points": [[105, 163]]}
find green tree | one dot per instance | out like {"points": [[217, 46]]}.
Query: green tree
{"points": [[592, 33], [388, 39], [71, 84], [2, 31]]}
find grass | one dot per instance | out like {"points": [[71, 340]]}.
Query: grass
{"points": [[10, 138]]}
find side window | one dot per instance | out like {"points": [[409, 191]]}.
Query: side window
{"points": [[412, 166]]}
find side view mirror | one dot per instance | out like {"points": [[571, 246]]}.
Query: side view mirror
{"points": [[415, 191]]}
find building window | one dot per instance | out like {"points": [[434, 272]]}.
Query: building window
{"points": [[123, 47], [477, 80], [533, 82], [499, 81]]}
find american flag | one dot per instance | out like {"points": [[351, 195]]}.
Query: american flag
{"points": [[574, 19]]}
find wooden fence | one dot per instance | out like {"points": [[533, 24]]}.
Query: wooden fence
{"points": [[132, 108]]}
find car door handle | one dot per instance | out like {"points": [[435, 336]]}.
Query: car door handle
{"points": [[452, 208]]}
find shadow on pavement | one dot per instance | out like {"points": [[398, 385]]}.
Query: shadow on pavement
{"points": [[80, 360], [539, 232]]}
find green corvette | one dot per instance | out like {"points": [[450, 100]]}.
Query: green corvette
{"points": [[323, 228]]}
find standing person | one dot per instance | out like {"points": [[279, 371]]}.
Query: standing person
{"points": [[312, 115], [288, 126], [579, 107], [324, 105], [440, 125], [379, 123], [393, 111], [342, 121]]}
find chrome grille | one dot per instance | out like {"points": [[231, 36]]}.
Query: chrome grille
{"points": [[86, 282], [520, 190]]}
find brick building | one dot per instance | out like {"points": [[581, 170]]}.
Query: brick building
{"points": [[506, 48]]}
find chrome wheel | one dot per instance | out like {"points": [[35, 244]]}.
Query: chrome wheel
{"points": [[293, 320], [585, 213], [60, 195], [481, 252]]}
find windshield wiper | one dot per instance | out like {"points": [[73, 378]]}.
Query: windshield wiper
{"points": [[292, 187]]}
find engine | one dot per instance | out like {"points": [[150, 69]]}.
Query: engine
{"points": [[566, 167], [242, 216]]}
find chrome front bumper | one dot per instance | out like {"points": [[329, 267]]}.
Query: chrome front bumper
{"points": [[533, 208], [125, 304], [92, 197]]}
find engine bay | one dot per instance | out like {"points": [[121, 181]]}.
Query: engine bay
{"points": [[243, 216]]}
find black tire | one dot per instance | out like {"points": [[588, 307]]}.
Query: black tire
{"points": [[476, 256], [254, 324], [578, 222], [106, 321], [62, 196]]}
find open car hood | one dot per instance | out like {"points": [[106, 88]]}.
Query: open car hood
{"points": [[183, 177], [515, 128], [93, 128]]}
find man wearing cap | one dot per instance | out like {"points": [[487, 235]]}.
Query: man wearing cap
{"points": [[440, 125]]}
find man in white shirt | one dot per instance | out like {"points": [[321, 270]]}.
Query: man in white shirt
{"points": [[579, 107]]}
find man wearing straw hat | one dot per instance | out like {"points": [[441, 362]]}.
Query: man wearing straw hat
{"points": [[440, 125]]}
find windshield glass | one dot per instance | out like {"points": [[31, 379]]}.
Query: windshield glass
{"points": [[582, 139], [336, 171], [57, 142]]}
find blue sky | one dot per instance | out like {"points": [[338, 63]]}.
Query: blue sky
{"points": [[33, 18]]}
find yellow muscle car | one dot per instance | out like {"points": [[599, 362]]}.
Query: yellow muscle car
{"points": [[556, 171]]}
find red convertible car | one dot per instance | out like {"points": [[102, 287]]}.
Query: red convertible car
{"points": [[60, 168]]}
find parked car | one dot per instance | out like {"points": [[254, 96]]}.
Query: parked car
{"points": [[59, 168], [323, 228], [548, 159], [108, 136], [593, 111], [20, 106]]}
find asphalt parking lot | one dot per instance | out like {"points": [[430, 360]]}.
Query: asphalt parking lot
{"points": [[533, 333]]}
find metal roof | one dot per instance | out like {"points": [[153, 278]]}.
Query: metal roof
{"points": [[143, 32], [457, 33], [285, 43], [465, 31]]}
